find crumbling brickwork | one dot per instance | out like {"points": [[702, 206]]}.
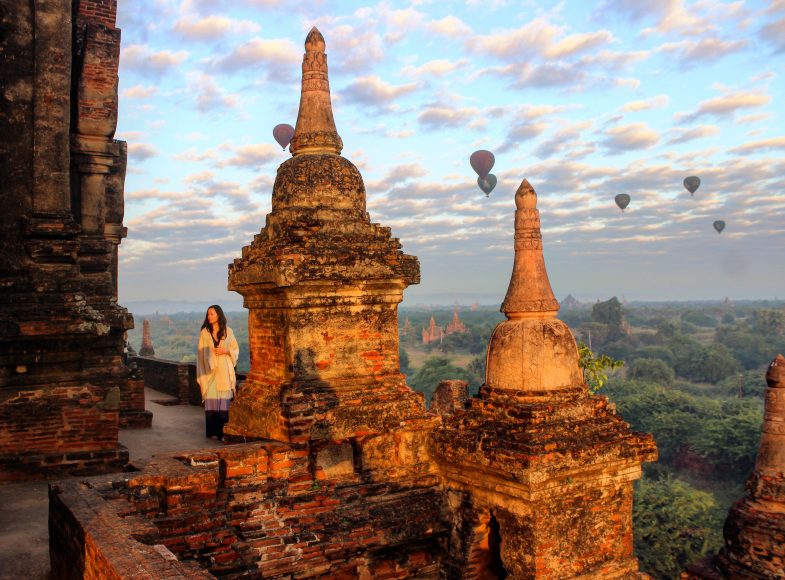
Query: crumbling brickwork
{"points": [[268, 510], [754, 531], [61, 213]]}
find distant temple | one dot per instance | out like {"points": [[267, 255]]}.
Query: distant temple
{"points": [[432, 333], [456, 326], [570, 302]]}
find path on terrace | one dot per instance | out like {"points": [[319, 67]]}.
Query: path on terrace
{"points": [[24, 531]]}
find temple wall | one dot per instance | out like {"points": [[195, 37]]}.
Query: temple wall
{"points": [[61, 211], [262, 507], [170, 377]]}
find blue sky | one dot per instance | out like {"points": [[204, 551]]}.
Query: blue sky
{"points": [[584, 99]]}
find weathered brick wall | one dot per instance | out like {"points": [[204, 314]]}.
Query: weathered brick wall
{"points": [[44, 433], [265, 508], [61, 190], [98, 11], [170, 377], [132, 404]]}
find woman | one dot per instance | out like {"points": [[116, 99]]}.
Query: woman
{"points": [[216, 358]]}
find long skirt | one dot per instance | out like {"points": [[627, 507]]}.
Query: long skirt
{"points": [[216, 410], [216, 414]]}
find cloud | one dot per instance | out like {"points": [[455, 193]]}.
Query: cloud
{"points": [[655, 102], [576, 43], [725, 105], [212, 28], [143, 59], [774, 34], [549, 75], [699, 132], [252, 156], [208, 95], [668, 15], [153, 194], [438, 116], [354, 49], [762, 145], [631, 136], [194, 156], [140, 92], [449, 26], [279, 57], [141, 151], [371, 90], [567, 137], [516, 45], [397, 176], [694, 52], [435, 68]]}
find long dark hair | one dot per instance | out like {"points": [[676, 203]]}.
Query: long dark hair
{"points": [[221, 321]]}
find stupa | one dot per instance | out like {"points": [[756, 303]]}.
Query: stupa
{"points": [[536, 464], [322, 285], [754, 531]]}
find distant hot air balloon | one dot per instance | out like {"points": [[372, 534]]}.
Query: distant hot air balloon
{"points": [[482, 162], [283, 134], [692, 183], [719, 225], [487, 183], [622, 200]]}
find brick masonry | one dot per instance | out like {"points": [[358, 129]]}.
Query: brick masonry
{"points": [[61, 212]]}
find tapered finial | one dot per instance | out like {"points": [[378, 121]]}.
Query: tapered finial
{"points": [[315, 130], [530, 290]]}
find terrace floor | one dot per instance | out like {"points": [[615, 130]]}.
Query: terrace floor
{"points": [[24, 531]]}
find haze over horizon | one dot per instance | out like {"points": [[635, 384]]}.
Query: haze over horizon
{"points": [[585, 100]]}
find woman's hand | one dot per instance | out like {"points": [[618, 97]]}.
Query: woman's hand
{"points": [[221, 350]]}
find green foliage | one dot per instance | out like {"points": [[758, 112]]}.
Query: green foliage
{"points": [[751, 349], [652, 369], [770, 321], [724, 433], [696, 362], [731, 438], [660, 352], [749, 383], [595, 368], [433, 371], [674, 524], [611, 314], [699, 318], [403, 357]]}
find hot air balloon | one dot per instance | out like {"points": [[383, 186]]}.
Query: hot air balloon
{"points": [[692, 183], [482, 162], [622, 200], [283, 134], [487, 183], [719, 225]]}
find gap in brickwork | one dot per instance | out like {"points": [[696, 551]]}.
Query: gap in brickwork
{"points": [[495, 570]]}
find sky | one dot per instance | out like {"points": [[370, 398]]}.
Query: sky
{"points": [[584, 99]]}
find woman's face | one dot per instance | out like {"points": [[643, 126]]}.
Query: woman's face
{"points": [[212, 316]]}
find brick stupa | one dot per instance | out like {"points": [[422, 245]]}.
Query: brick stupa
{"points": [[535, 461], [322, 285], [754, 531]]}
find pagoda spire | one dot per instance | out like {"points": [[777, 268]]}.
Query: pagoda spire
{"points": [[529, 293], [315, 130]]}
